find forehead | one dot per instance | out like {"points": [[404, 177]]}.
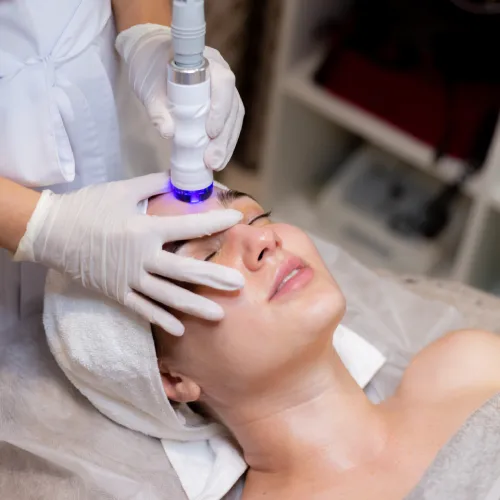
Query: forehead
{"points": [[167, 204]]}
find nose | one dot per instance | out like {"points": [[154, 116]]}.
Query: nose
{"points": [[253, 244]]}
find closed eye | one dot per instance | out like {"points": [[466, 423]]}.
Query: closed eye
{"points": [[210, 257], [262, 216]]}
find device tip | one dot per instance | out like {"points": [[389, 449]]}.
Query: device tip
{"points": [[192, 197]]}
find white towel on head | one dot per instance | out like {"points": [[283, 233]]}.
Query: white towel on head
{"points": [[108, 353]]}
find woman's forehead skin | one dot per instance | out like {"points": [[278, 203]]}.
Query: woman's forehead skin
{"points": [[167, 204]]}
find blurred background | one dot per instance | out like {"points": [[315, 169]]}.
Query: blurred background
{"points": [[373, 124]]}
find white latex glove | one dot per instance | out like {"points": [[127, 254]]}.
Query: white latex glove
{"points": [[146, 49], [99, 237]]}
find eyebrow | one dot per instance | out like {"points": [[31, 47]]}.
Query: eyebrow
{"points": [[225, 198]]}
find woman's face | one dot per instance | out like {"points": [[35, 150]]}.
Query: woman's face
{"points": [[283, 317]]}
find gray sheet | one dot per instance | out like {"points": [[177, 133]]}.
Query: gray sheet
{"points": [[54, 445], [468, 466]]}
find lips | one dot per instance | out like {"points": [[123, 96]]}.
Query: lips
{"points": [[286, 272]]}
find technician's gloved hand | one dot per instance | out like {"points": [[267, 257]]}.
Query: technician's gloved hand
{"points": [[146, 49], [99, 237]]}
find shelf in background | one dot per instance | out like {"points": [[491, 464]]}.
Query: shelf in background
{"points": [[307, 126], [298, 84]]}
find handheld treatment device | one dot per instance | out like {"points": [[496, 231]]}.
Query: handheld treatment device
{"points": [[188, 97]]}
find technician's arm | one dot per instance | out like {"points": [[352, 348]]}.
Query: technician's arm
{"points": [[17, 204], [128, 13]]}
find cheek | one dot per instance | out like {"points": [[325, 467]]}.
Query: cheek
{"points": [[244, 345], [296, 241], [245, 317], [246, 324]]}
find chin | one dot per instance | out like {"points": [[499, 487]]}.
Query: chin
{"points": [[321, 308]]}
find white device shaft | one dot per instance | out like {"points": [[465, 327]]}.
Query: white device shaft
{"points": [[189, 106]]}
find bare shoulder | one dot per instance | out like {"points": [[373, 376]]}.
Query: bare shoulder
{"points": [[459, 361]]}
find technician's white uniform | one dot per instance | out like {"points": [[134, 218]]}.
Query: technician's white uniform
{"points": [[58, 117]]}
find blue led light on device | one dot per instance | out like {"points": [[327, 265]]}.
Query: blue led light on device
{"points": [[192, 196]]}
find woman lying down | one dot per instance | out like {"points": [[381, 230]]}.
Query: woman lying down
{"points": [[269, 373]]}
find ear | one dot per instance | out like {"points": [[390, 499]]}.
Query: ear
{"points": [[180, 388]]}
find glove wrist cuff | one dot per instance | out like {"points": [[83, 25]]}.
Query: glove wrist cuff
{"points": [[26, 248]]}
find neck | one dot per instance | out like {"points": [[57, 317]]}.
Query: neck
{"points": [[323, 421]]}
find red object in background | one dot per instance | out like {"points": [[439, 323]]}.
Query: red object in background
{"points": [[414, 101]]}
